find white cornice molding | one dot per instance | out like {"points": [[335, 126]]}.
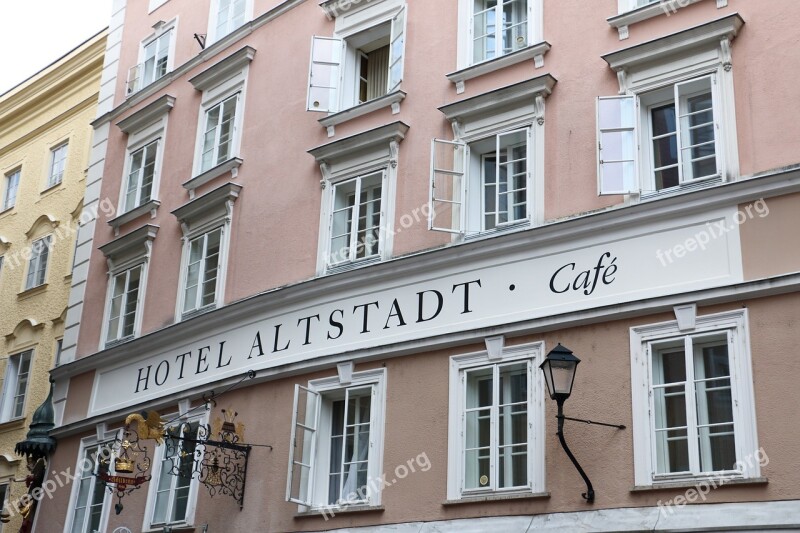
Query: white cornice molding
{"points": [[767, 185], [129, 216], [347, 147], [147, 115], [223, 69], [231, 165], [664, 7], [511, 95], [535, 52], [708, 34], [134, 245]]}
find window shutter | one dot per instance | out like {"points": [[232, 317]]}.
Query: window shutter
{"points": [[617, 144], [324, 76], [448, 163], [302, 445], [397, 50]]}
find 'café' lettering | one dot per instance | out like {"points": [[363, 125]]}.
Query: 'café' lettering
{"points": [[563, 280]]}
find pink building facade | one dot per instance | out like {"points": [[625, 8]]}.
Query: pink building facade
{"points": [[362, 225]]}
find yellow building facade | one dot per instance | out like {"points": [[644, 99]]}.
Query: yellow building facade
{"points": [[45, 142]]}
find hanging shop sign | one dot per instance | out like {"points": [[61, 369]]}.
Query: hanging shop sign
{"points": [[528, 282]]}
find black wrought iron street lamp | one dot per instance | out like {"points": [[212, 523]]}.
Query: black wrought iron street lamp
{"points": [[559, 374]]}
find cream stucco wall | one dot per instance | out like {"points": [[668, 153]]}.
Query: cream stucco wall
{"points": [[55, 105]]}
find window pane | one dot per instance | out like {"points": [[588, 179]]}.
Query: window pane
{"points": [[131, 302], [211, 268], [513, 425], [714, 405]]}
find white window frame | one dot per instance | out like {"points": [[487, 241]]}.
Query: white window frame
{"points": [[201, 279], [359, 19], [382, 233], [35, 263], [735, 325], [137, 319], [9, 394], [86, 444], [535, 32], [318, 388], [533, 353], [235, 85], [12, 177], [138, 201], [59, 176], [670, 61], [214, 211], [213, 19], [155, 132], [158, 456], [471, 205]]}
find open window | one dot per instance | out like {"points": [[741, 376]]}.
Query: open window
{"points": [[337, 442], [483, 185], [356, 68]]}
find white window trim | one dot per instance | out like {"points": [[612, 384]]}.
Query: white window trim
{"points": [[735, 322], [535, 36], [488, 115], [194, 485], [50, 246], [50, 159], [127, 252], [160, 28], [700, 51], [237, 83], [536, 422], [89, 442], [156, 131], [359, 155], [7, 395], [376, 378], [212, 36], [209, 212]]}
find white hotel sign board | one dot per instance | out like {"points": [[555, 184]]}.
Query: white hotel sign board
{"points": [[611, 268]]}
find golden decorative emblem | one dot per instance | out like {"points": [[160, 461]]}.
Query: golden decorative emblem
{"points": [[484, 480]]}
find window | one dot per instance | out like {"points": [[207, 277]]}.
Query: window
{"points": [[88, 510], [12, 185], [202, 271], [37, 266], [59, 350], [499, 27], [218, 135], [141, 176], [123, 306], [497, 424], [357, 65], [155, 60], [173, 487], [679, 141], [15, 386], [356, 219], [4, 492], [337, 442], [483, 185], [58, 158], [698, 393], [227, 15], [673, 129]]}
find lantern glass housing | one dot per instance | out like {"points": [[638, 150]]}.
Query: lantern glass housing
{"points": [[559, 372]]}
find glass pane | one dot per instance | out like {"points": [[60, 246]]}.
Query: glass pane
{"points": [[672, 451], [476, 471], [617, 145], [667, 178], [617, 176], [513, 466], [663, 119], [616, 113], [717, 448], [479, 388]]}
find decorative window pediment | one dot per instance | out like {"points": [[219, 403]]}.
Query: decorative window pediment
{"points": [[211, 208], [147, 115], [378, 144], [130, 248], [224, 69], [43, 225]]}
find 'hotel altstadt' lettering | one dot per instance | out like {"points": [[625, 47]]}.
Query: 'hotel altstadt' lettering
{"points": [[364, 318]]}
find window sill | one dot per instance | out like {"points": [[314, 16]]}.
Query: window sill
{"points": [[392, 99], [535, 52], [702, 183], [663, 7], [502, 230], [33, 291], [197, 312], [497, 498], [694, 482], [329, 512], [345, 267], [231, 165], [8, 211], [51, 188], [129, 216], [117, 342], [178, 528], [14, 423]]}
